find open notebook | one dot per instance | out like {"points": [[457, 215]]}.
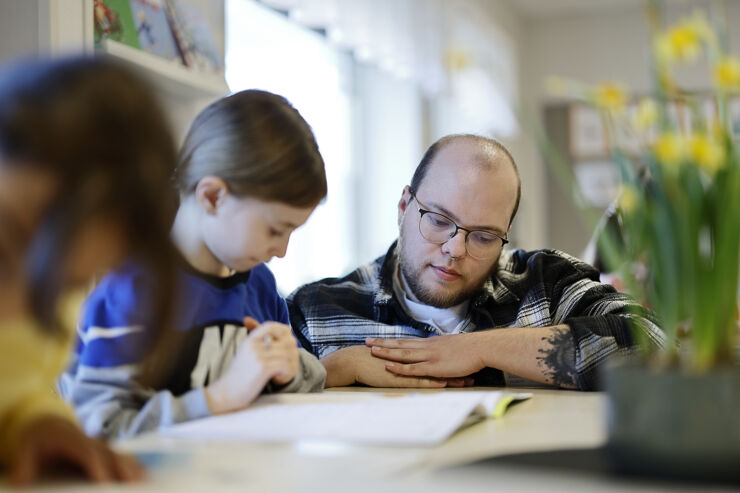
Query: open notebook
{"points": [[359, 417]]}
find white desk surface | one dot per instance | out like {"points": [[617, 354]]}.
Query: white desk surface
{"points": [[550, 420]]}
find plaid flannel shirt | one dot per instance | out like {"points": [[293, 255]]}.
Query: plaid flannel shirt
{"points": [[529, 289]]}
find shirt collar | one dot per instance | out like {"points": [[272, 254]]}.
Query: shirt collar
{"points": [[384, 279]]}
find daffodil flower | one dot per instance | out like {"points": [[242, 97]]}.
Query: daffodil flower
{"points": [[610, 96], [670, 149], [707, 153], [727, 74], [647, 114], [628, 199], [680, 44]]}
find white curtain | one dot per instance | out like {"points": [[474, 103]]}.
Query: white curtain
{"points": [[266, 51]]}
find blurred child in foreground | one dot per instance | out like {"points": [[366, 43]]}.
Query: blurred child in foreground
{"points": [[84, 156]]}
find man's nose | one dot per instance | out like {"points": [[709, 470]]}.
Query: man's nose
{"points": [[455, 246]]}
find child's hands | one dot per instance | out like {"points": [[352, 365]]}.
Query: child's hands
{"points": [[269, 352], [52, 440], [283, 349]]}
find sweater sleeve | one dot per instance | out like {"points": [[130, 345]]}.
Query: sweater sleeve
{"points": [[311, 374], [101, 382], [310, 377], [29, 363], [110, 403]]}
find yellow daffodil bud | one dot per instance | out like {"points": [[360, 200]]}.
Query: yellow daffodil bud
{"points": [[457, 59], [610, 96], [699, 24], [647, 114], [627, 199], [727, 73], [670, 149], [680, 44], [707, 153]]}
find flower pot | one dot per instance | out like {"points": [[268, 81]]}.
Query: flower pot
{"points": [[674, 424]]}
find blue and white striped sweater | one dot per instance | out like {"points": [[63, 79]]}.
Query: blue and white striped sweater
{"points": [[112, 336]]}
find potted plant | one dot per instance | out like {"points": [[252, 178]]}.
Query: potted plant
{"points": [[675, 242]]}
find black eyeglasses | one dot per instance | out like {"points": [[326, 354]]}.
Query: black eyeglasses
{"points": [[438, 228]]}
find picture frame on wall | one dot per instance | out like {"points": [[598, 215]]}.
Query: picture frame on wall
{"points": [[734, 115], [598, 181], [588, 136]]}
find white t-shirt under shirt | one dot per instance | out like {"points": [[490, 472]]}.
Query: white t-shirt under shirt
{"points": [[448, 320]]}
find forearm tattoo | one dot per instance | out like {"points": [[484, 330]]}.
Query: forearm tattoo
{"points": [[558, 360]]}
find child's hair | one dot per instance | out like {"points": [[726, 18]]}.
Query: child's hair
{"points": [[259, 145], [99, 131]]}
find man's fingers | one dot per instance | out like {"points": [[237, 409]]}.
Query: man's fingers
{"points": [[400, 355], [408, 343], [460, 382], [411, 370], [426, 383]]}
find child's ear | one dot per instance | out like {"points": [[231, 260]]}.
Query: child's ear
{"points": [[210, 193]]}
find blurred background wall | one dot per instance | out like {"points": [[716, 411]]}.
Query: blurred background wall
{"points": [[380, 80]]}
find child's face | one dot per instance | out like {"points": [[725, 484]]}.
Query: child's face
{"points": [[245, 232], [99, 246], [26, 194]]}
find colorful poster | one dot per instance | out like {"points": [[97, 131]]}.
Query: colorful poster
{"points": [[194, 37], [113, 20], [153, 29]]}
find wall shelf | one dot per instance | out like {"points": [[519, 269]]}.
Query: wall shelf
{"points": [[168, 75]]}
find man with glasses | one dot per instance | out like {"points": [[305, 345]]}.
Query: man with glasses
{"points": [[499, 317]]}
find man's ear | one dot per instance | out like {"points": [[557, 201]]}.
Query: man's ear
{"points": [[210, 193], [403, 203]]}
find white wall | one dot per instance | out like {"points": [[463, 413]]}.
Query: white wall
{"points": [[18, 29], [591, 47], [610, 45], [529, 229]]}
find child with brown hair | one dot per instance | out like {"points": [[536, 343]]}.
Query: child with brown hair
{"points": [[84, 155], [249, 174]]}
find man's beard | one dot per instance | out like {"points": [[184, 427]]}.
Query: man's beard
{"points": [[428, 297]]}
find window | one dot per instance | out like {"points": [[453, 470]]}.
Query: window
{"points": [[265, 50]]}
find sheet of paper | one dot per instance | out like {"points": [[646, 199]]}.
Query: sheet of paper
{"points": [[369, 418]]}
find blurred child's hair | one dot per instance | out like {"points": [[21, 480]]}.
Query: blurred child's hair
{"points": [[99, 131], [259, 145]]}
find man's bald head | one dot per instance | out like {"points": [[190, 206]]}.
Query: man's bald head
{"points": [[491, 154]]}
